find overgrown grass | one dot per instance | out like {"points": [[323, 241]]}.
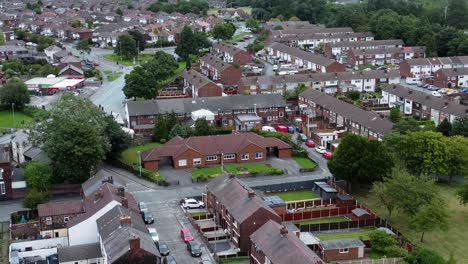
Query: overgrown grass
{"points": [[198, 214], [295, 196], [363, 235], [130, 155], [6, 119], [373, 254], [305, 163], [445, 242], [324, 220], [142, 58]]}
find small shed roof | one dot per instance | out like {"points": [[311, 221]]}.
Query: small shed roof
{"points": [[359, 212], [324, 186], [341, 243]]}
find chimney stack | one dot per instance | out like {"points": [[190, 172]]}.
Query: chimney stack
{"points": [[125, 220], [283, 231], [251, 194], [134, 243], [109, 179], [121, 191], [125, 202]]}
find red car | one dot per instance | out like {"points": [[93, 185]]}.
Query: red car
{"points": [[327, 155], [95, 64], [310, 143], [186, 235]]}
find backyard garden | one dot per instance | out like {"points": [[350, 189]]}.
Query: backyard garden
{"points": [[295, 195]]}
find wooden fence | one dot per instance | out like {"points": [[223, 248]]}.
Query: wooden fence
{"points": [[372, 261]]}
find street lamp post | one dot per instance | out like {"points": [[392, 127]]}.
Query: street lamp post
{"points": [[139, 158], [13, 110]]}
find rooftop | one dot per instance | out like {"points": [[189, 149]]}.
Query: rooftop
{"points": [[80, 252]]}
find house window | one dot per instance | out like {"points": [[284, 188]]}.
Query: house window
{"points": [[182, 163], [229, 156], [2, 188], [344, 250], [245, 156], [234, 223], [48, 220], [65, 219], [211, 158], [281, 114], [196, 161], [258, 155]]}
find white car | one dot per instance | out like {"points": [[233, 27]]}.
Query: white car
{"points": [[436, 94], [192, 204], [320, 149], [154, 234]]}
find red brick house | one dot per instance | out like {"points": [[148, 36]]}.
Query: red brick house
{"points": [[198, 85], [54, 217], [237, 209], [451, 78], [219, 71], [344, 249], [71, 71], [6, 191], [232, 54], [358, 57], [339, 50], [272, 243], [199, 152]]}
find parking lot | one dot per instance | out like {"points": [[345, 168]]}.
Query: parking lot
{"points": [[169, 218]]}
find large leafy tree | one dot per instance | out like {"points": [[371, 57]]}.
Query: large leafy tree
{"points": [[462, 194], [252, 24], [444, 127], [139, 39], [223, 31], [460, 126], [202, 127], [118, 139], [385, 196], [73, 137], [163, 126], [186, 46], [457, 160], [360, 160], [126, 46], [395, 115], [83, 46], [38, 175], [14, 92], [456, 13], [430, 217]]}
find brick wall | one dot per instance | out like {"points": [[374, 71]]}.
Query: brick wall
{"points": [[230, 76], [247, 228], [209, 90], [6, 180], [334, 254]]}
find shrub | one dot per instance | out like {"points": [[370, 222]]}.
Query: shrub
{"points": [[162, 140], [202, 178], [276, 171], [15, 218], [254, 172], [395, 252], [35, 197]]}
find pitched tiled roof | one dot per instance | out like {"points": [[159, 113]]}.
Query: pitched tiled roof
{"points": [[386, 42], [228, 48], [196, 79], [60, 208], [308, 56], [341, 243], [282, 248], [80, 252], [215, 62]]}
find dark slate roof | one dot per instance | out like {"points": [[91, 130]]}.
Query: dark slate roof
{"points": [[60, 208], [308, 56], [453, 72], [367, 119], [188, 105], [36, 154], [380, 43], [80, 252], [196, 79], [342, 243], [95, 182], [280, 248], [438, 103], [115, 236]]}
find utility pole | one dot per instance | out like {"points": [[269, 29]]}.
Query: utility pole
{"points": [[13, 110], [139, 158]]}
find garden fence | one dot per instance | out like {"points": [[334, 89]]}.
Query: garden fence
{"points": [[337, 226], [372, 261]]}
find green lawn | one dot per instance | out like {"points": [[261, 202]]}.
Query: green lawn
{"points": [[111, 76], [235, 260], [128, 62], [305, 163], [444, 242], [6, 119], [295, 196], [364, 235], [238, 37], [130, 155], [324, 220], [237, 169]]}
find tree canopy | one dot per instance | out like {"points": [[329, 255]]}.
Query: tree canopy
{"points": [[126, 46], [192, 6], [14, 92], [38, 175], [83, 46], [460, 126], [223, 31]]}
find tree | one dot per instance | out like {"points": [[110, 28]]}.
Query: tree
{"points": [[444, 127], [163, 126], [413, 125], [185, 46], [139, 39], [252, 24], [223, 31], [83, 46], [395, 115], [457, 9], [35, 197], [381, 241], [76, 24], [385, 196], [294, 18], [73, 136], [353, 95], [423, 152], [181, 131], [457, 160], [38, 175], [423, 256], [14, 92], [119, 12], [2, 39], [202, 127], [430, 217], [125, 46], [460, 126], [118, 138], [255, 47], [360, 160], [462, 194]]}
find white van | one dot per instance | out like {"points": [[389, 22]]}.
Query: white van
{"points": [[268, 129], [412, 81]]}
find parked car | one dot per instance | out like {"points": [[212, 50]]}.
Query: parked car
{"points": [[310, 143], [163, 248], [154, 234], [290, 130], [147, 217], [194, 249], [192, 204], [320, 149], [186, 235], [436, 94], [169, 260], [327, 155], [426, 85], [302, 137], [142, 206]]}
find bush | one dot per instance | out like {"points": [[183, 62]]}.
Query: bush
{"points": [[254, 172], [15, 218], [35, 112], [202, 178], [222, 131], [380, 240], [395, 252], [35, 197], [300, 152], [162, 140], [276, 171]]}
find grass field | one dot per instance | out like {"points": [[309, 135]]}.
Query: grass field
{"points": [[128, 62], [295, 196], [238, 37], [363, 234], [130, 155], [444, 242], [305, 163], [6, 119], [111, 76], [237, 169], [324, 220]]}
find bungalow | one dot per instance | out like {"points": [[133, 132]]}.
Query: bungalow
{"points": [[218, 70], [237, 209], [343, 249], [272, 243], [232, 54], [304, 60], [199, 152]]}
